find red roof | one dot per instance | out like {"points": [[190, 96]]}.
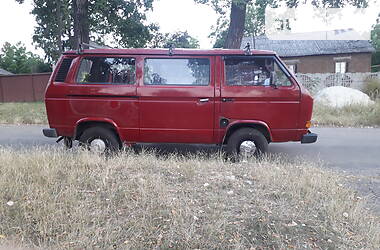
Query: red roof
{"points": [[175, 51]]}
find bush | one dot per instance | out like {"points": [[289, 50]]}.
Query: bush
{"points": [[372, 88]]}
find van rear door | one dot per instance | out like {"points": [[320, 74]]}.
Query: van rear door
{"points": [[176, 99], [100, 88]]}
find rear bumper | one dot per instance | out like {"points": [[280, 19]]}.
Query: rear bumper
{"points": [[50, 132], [309, 138]]}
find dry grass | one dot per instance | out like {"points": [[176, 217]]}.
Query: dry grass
{"points": [[348, 116], [77, 200], [23, 113]]}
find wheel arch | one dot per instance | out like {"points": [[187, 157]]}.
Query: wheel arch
{"points": [[86, 123], [259, 125]]}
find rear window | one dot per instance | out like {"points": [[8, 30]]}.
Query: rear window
{"points": [[177, 71], [107, 70]]}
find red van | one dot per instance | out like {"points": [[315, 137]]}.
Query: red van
{"points": [[109, 97]]}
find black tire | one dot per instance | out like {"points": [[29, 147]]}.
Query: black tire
{"points": [[246, 134], [109, 138]]}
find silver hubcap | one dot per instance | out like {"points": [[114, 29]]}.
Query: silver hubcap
{"points": [[247, 148], [98, 146]]}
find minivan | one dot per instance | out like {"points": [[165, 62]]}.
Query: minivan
{"points": [[107, 98]]}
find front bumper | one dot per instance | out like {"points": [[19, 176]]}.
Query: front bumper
{"points": [[309, 138], [50, 132]]}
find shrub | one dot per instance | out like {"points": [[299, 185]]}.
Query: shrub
{"points": [[372, 88]]}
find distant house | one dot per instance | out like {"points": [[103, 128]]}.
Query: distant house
{"points": [[4, 72], [318, 56]]}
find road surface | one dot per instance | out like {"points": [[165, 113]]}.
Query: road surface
{"points": [[356, 151]]}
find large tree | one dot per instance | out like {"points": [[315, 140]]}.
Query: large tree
{"points": [[62, 23], [234, 34], [248, 16], [16, 59]]}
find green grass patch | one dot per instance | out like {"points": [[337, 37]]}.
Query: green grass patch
{"points": [[56, 199], [23, 113], [348, 116]]}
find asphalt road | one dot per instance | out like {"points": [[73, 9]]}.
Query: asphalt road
{"points": [[354, 151]]}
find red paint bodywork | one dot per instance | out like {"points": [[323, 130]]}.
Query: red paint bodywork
{"points": [[174, 114]]}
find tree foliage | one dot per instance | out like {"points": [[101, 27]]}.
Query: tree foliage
{"points": [[253, 22], [120, 21], [178, 39], [375, 34], [15, 59], [375, 40]]}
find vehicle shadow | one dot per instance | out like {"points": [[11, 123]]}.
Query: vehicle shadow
{"points": [[185, 150], [190, 150]]}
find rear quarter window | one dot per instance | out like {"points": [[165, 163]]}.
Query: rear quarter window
{"points": [[107, 70], [63, 70]]}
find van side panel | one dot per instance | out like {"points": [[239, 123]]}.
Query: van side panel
{"points": [[167, 113]]}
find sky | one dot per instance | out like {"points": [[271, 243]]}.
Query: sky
{"points": [[306, 18], [17, 23]]}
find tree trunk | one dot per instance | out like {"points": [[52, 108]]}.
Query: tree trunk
{"points": [[59, 26], [236, 28], [81, 23]]}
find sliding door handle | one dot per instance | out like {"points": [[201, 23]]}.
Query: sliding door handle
{"points": [[203, 100]]}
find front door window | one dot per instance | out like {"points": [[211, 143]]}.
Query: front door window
{"points": [[254, 71], [248, 71]]}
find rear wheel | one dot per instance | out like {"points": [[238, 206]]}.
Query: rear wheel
{"points": [[246, 143], [100, 140]]}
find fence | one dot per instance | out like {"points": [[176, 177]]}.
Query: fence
{"points": [[316, 82], [23, 88]]}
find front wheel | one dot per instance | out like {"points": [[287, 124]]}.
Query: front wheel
{"points": [[99, 140], [245, 143]]}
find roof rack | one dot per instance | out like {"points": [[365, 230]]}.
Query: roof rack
{"points": [[90, 46], [247, 49], [171, 49]]}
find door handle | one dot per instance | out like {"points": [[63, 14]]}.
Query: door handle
{"points": [[227, 99], [203, 100]]}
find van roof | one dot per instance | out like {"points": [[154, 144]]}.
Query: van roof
{"points": [[166, 51]]}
